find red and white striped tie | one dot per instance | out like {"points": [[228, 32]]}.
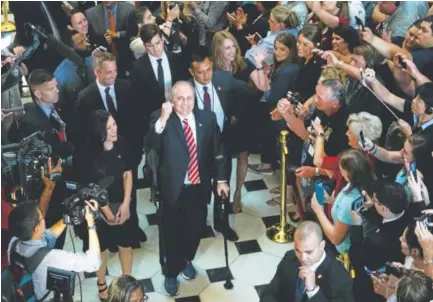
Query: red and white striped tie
{"points": [[193, 173]]}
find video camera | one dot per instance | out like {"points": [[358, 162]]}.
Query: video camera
{"points": [[22, 162], [73, 206]]}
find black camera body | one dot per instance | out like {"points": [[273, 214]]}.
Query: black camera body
{"points": [[22, 163], [73, 206], [296, 98]]}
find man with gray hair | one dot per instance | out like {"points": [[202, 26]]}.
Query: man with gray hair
{"points": [[308, 273], [188, 145], [331, 113]]}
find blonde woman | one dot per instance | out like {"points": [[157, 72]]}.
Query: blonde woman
{"points": [[226, 55]]}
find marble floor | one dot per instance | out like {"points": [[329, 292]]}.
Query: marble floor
{"points": [[252, 260]]}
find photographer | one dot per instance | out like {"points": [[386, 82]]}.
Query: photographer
{"points": [[27, 224]]}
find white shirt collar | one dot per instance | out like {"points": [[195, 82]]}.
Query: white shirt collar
{"points": [[200, 86], [190, 117], [154, 59], [427, 124], [318, 263], [393, 219], [102, 87]]}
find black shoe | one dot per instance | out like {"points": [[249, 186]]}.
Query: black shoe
{"points": [[228, 233]]}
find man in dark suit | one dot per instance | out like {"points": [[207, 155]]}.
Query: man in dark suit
{"points": [[188, 143], [117, 22], [107, 93], [151, 79], [215, 91], [43, 115], [308, 273]]}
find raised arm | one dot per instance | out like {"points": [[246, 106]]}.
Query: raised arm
{"points": [[385, 48]]}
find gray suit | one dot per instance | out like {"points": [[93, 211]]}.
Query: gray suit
{"points": [[126, 26], [211, 17]]}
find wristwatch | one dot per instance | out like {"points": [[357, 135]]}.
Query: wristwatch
{"points": [[92, 227], [321, 134], [428, 261], [317, 172]]}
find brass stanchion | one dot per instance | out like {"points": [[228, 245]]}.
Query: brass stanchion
{"points": [[6, 25], [282, 232]]}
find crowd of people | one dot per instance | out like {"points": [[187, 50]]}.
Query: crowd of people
{"points": [[200, 82]]}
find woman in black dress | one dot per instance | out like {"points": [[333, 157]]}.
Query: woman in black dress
{"points": [[119, 233]]}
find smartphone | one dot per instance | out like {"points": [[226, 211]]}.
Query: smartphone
{"points": [[102, 48], [378, 272], [293, 168], [396, 271], [361, 136], [320, 192], [257, 37], [173, 4], [401, 62], [412, 167], [359, 23], [356, 205]]}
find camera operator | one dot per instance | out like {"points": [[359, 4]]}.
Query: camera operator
{"points": [[44, 115], [10, 196], [27, 224]]}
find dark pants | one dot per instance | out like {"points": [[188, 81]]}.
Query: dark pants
{"points": [[182, 226]]}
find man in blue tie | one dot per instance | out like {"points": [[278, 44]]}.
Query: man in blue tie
{"points": [[308, 273]]}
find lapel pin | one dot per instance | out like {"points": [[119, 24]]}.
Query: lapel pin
{"points": [[199, 125], [219, 88], [319, 276]]}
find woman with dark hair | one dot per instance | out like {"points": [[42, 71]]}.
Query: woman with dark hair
{"points": [[275, 85], [344, 40], [356, 169], [126, 289], [117, 232], [311, 64], [79, 22]]}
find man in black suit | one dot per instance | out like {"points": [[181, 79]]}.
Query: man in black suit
{"points": [[188, 143], [308, 273], [117, 22], [43, 115], [107, 93], [215, 91], [151, 79]]}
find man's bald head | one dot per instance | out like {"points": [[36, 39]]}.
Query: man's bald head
{"points": [[307, 229], [182, 98], [309, 244]]}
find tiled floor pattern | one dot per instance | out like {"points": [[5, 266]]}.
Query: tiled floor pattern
{"points": [[253, 259]]}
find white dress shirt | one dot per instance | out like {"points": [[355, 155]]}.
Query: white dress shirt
{"points": [[191, 122], [111, 92], [165, 69], [215, 103], [314, 268]]}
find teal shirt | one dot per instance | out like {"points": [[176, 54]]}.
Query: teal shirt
{"points": [[402, 178], [341, 212]]}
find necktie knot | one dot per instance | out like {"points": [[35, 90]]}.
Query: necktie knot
{"points": [[185, 121], [107, 90], [159, 61], [205, 89]]}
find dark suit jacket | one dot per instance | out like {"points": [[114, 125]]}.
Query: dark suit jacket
{"points": [[174, 156], [148, 96], [126, 26], [89, 100], [227, 87], [87, 144], [335, 282], [34, 120]]}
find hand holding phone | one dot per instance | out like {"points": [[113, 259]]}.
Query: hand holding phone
{"points": [[362, 138], [359, 23], [412, 167], [320, 193], [257, 37], [401, 62]]}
